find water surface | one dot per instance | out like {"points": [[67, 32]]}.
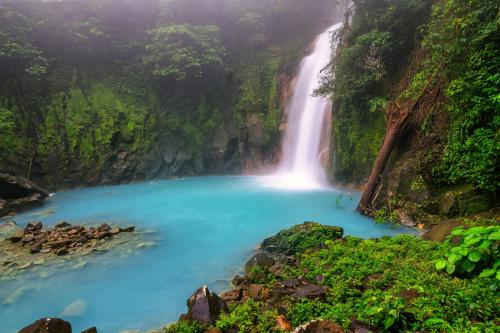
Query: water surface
{"points": [[204, 229]]}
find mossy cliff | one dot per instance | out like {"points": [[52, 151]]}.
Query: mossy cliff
{"points": [[112, 91], [415, 96]]}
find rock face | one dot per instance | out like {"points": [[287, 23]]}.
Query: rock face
{"points": [[319, 326], [18, 193], [289, 241], [204, 306], [48, 325]]}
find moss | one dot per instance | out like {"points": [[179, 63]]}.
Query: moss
{"points": [[297, 238]]}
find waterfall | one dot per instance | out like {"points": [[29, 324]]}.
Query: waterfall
{"points": [[300, 166]]}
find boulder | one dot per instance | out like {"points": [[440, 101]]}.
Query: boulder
{"points": [[319, 326], [442, 230], [32, 227], [48, 325], [18, 205], [12, 187], [204, 306], [260, 259], [310, 291], [232, 295], [300, 237], [127, 229]]}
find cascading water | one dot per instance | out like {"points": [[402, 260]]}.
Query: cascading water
{"points": [[300, 166]]}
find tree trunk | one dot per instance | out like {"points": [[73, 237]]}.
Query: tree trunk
{"points": [[396, 123]]}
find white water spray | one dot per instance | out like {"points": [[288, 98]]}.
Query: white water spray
{"points": [[300, 166]]}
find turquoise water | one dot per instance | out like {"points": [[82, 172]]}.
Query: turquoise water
{"points": [[204, 231]]}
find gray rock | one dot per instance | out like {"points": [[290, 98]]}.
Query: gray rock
{"points": [[204, 306], [260, 259]]}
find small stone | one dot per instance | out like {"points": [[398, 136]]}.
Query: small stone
{"points": [[33, 226], [36, 248], [62, 224], [310, 291], [104, 227], [61, 252], [357, 326], [127, 229], [115, 231]]}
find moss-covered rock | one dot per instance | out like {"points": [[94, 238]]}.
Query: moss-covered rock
{"points": [[300, 237]]}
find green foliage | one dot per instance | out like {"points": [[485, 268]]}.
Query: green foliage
{"points": [[461, 43], [472, 251], [185, 327], [302, 236], [374, 50], [392, 284], [249, 317], [185, 51]]}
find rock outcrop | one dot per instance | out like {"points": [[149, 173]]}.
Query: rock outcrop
{"points": [[204, 307], [48, 325], [19, 193]]}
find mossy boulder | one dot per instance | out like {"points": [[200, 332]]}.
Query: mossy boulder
{"points": [[463, 200], [301, 237]]}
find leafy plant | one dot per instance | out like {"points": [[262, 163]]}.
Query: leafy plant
{"points": [[471, 251]]}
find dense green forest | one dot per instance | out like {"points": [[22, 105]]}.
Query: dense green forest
{"points": [[113, 91]]}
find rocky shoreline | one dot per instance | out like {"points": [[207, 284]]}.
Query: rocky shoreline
{"points": [[35, 245]]}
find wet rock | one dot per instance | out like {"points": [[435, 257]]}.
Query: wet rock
{"points": [[21, 204], [310, 291], [62, 224], [32, 227], [36, 248], [290, 283], [405, 219], [204, 306], [260, 259], [61, 252], [90, 330], [48, 325], [357, 326], [59, 244], [127, 229], [104, 227], [290, 241], [4, 207], [319, 326], [115, 231]]}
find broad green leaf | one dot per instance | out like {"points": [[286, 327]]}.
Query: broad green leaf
{"points": [[453, 258], [468, 266], [473, 240], [441, 264], [474, 256], [485, 245], [487, 273], [458, 231], [450, 268], [494, 236], [388, 322]]}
